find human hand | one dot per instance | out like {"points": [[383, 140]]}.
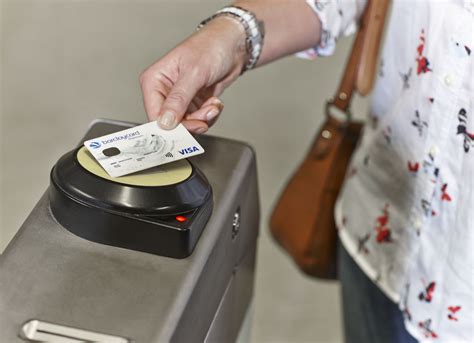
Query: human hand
{"points": [[184, 85]]}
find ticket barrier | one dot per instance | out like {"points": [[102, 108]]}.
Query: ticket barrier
{"points": [[167, 255]]}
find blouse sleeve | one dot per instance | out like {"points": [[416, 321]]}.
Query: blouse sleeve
{"points": [[338, 18]]}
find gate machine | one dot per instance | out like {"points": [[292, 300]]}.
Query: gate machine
{"points": [[163, 255]]}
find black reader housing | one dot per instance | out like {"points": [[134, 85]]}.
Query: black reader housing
{"points": [[162, 220]]}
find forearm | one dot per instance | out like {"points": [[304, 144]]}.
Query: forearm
{"points": [[290, 26], [183, 85]]}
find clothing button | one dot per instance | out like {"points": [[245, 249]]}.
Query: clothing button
{"points": [[417, 224], [434, 151], [448, 80]]}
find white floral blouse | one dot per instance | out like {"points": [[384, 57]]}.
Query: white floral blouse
{"points": [[406, 213]]}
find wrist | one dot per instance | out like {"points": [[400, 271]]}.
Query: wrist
{"points": [[230, 31], [253, 28]]}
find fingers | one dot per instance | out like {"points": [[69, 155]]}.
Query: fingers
{"points": [[154, 90], [177, 102], [208, 113], [195, 126], [171, 102], [214, 100]]}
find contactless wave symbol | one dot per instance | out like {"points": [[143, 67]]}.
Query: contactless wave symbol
{"points": [[170, 155], [95, 145]]}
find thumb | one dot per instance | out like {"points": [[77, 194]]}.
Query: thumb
{"points": [[177, 102]]}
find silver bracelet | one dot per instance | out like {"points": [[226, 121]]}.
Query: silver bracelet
{"points": [[254, 31]]}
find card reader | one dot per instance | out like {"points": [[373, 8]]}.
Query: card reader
{"points": [[161, 210]]}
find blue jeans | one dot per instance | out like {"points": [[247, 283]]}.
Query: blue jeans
{"points": [[369, 316]]}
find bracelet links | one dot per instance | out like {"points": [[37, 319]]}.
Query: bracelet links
{"points": [[254, 32]]}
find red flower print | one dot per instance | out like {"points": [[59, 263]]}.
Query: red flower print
{"points": [[444, 195], [383, 219], [413, 166], [427, 293], [384, 234], [422, 61], [453, 310], [423, 65]]}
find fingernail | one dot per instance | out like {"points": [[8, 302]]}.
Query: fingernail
{"points": [[200, 130], [218, 103], [212, 113], [167, 120]]}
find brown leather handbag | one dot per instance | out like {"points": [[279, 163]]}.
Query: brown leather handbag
{"points": [[302, 221]]}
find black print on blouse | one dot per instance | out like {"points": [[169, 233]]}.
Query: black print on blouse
{"points": [[406, 312], [466, 48], [378, 277], [387, 134], [426, 207], [325, 37], [419, 123], [462, 130], [426, 327], [429, 166], [406, 78], [381, 68], [366, 160], [362, 244], [320, 5]]}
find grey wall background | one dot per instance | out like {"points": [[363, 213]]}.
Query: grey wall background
{"points": [[65, 62]]}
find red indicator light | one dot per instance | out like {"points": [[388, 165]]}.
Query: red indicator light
{"points": [[181, 219]]}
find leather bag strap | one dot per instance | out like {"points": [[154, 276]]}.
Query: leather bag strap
{"points": [[359, 74]]}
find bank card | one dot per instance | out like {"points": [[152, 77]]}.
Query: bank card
{"points": [[142, 147]]}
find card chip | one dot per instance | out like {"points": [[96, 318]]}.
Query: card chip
{"points": [[109, 152]]}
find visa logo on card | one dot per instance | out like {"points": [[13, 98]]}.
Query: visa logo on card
{"points": [[142, 147], [189, 150]]}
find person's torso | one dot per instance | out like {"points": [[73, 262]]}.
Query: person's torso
{"points": [[406, 211]]}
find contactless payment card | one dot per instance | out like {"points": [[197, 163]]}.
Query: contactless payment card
{"points": [[142, 147]]}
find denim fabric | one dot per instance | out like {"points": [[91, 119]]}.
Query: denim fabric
{"points": [[369, 316]]}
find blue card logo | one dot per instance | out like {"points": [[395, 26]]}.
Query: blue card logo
{"points": [[95, 145]]}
